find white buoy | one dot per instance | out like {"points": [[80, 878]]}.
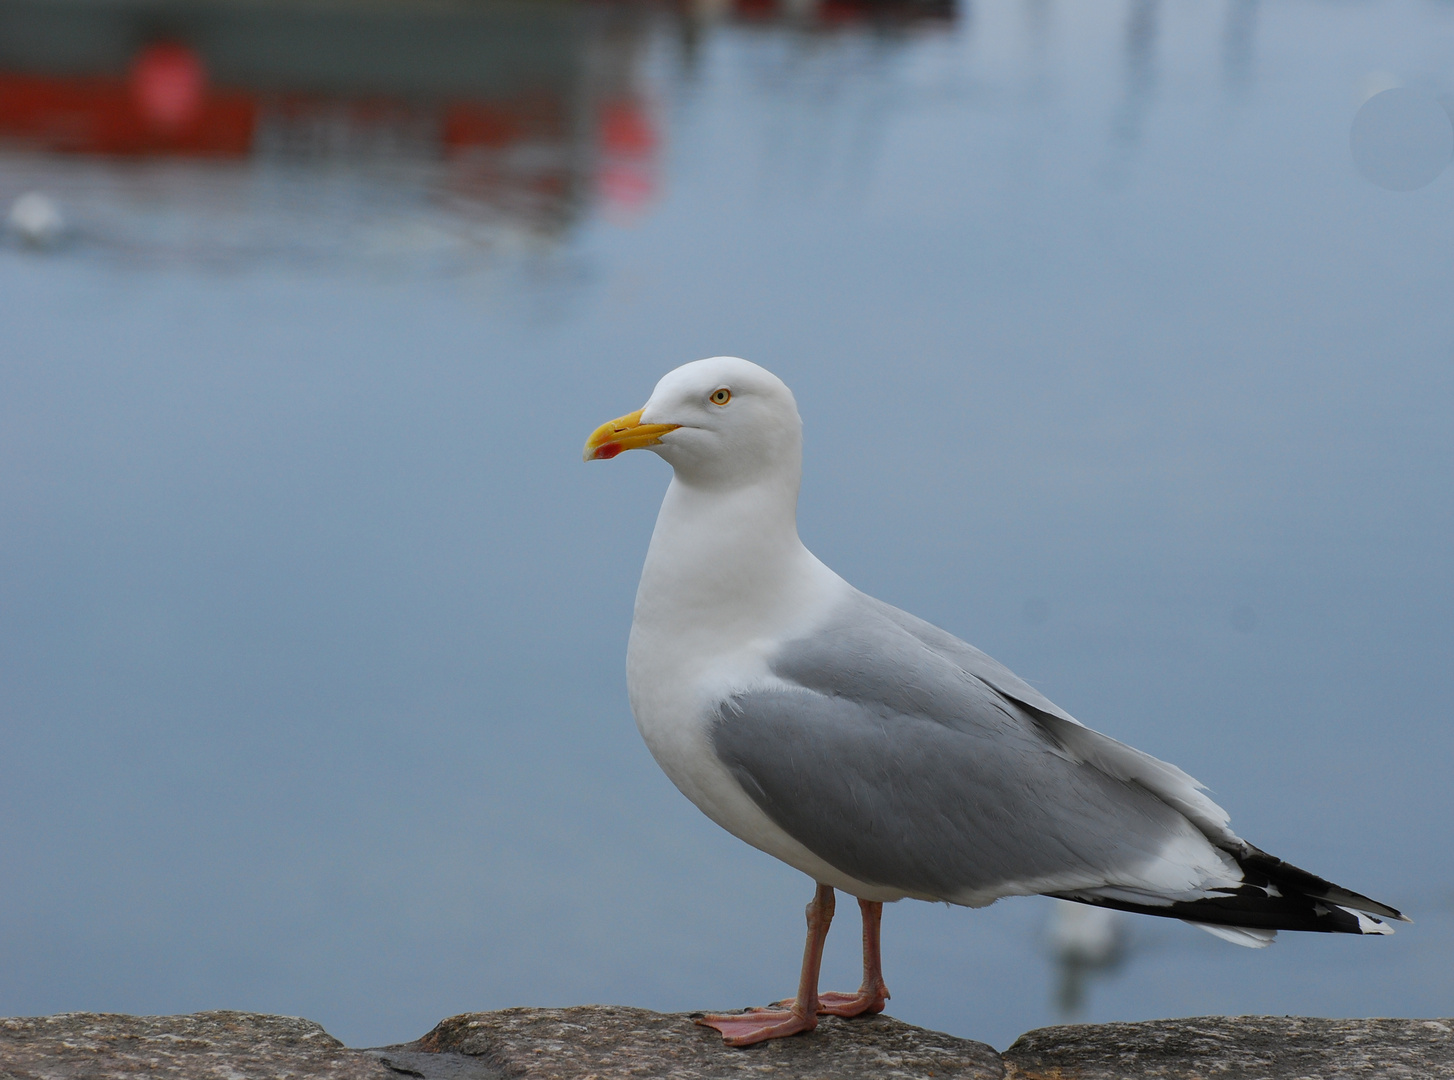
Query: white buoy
{"points": [[37, 220]]}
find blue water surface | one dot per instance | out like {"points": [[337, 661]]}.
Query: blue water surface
{"points": [[312, 621]]}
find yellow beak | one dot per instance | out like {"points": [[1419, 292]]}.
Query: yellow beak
{"points": [[624, 433]]}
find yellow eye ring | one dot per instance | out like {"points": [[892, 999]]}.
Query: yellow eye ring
{"points": [[721, 396]]}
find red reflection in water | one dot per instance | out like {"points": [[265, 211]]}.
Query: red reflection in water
{"points": [[626, 129], [162, 106], [626, 177], [496, 125], [169, 85], [532, 151]]}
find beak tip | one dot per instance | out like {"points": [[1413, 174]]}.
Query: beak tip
{"points": [[601, 452], [617, 436]]}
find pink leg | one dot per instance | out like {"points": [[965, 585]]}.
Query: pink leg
{"points": [[874, 992], [759, 1025]]}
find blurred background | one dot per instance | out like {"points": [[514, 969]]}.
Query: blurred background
{"points": [[1123, 337]]}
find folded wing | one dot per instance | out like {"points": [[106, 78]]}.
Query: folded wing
{"points": [[907, 758]]}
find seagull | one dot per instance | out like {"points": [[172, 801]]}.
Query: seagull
{"points": [[878, 754]]}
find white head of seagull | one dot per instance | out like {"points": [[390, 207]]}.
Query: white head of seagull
{"points": [[879, 754], [722, 423]]}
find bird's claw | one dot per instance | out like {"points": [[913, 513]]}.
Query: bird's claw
{"points": [[757, 1025], [834, 1003]]}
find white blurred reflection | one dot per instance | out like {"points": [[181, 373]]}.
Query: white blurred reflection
{"points": [[1085, 942]]}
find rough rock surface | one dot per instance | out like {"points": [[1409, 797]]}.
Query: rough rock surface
{"points": [[597, 1042], [203, 1046], [1240, 1047], [606, 1043]]}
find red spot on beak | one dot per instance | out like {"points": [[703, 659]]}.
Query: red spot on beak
{"points": [[606, 451]]}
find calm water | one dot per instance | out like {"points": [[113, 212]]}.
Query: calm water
{"points": [[312, 622]]}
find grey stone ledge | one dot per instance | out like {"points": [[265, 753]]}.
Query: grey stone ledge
{"points": [[1237, 1048], [598, 1042]]}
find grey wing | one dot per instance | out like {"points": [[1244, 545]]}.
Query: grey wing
{"points": [[972, 660], [891, 762], [1166, 781]]}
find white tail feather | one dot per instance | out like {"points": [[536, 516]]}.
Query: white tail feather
{"points": [[1239, 935], [1367, 924]]}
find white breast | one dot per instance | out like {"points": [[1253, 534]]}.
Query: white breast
{"points": [[708, 616]]}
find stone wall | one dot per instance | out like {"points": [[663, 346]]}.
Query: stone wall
{"points": [[597, 1042]]}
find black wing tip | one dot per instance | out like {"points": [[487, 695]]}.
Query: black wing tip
{"points": [[1273, 895], [1252, 909], [1256, 862]]}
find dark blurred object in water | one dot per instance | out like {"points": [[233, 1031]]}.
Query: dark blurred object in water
{"points": [[220, 78], [459, 124], [528, 108], [829, 13]]}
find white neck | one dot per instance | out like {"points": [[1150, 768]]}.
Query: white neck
{"points": [[725, 568]]}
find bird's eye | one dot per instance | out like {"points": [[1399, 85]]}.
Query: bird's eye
{"points": [[721, 397]]}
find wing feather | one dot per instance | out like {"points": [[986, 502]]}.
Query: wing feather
{"points": [[909, 759], [894, 763]]}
